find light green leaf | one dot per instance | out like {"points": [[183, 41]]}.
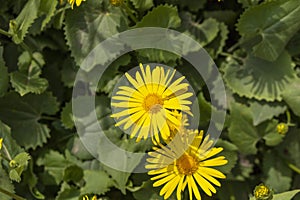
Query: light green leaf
{"points": [[286, 195], [68, 192], [19, 26], [55, 164], [27, 78], [142, 5], [91, 24], [67, 116], [242, 132], [247, 3], [262, 111], [21, 164], [164, 16], [278, 174], [292, 96], [260, 79], [4, 75], [22, 114], [205, 32], [275, 27], [93, 184]]}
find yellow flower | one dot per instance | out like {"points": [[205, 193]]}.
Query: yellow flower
{"points": [[116, 2], [86, 197], [282, 128], [186, 162], [262, 192], [1, 141], [147, 107], [78, 2]]}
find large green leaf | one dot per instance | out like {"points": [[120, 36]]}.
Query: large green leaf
{"points": [[4, 75], [96, 182], [262, 111], [47, 10], [27, 78], [22, 114], [275, 27], [68, 192], [90, 25], [19, 26], [292, 96], [164, 16], [244, 135], [260, 79], [286, 195], [278, 174]]}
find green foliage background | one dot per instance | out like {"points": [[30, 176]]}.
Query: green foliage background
{"points": [[256, 45]]}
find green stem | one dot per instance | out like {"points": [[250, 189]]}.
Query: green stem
{"points": [[26, 48], [288, 116], [3, 32], [294, 168], [8, 158], [14, 196], [49, 118], [129, 12]]}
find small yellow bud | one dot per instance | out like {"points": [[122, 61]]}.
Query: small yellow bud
{"points": [[13, 164], [94, 197], [1, 141], [262, 192], [282, 128], [116, 2]]}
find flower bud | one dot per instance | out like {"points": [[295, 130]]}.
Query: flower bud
{"points": [[116, 2], [262, 192], [282, 128], [13, 164]]}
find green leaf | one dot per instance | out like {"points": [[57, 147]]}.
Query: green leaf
{"points": [[205, 32], [27, 78], [230, 153], [275, 31], [22, 161], [68, 192], [11, 145], [93, 185], [47, 9], [4, 75], [142, 5], [19, 26], [22, 114], [262, 111], [73, 173], [55, 164], [242, 132], [259, 79], [286, 195], [67, 116], [247, 3], [147, 191], [164, 16], [6, 184], [292, 96], [91, 24], [278, 174]]}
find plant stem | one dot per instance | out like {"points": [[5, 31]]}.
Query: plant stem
{"points": [[129, 12], [8, 158], [3, 32], [49, 118], [14, 196], [26, 48], [288, 116], [233, 56], [294, 168]]}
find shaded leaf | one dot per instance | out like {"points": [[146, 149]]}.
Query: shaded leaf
{"points": [[4, 75], [292, 96]]}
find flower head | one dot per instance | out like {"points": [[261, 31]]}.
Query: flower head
{"points": [[148, 105], [262, 192], [78, 2], [282, 128], [116, 2], [186, 162]]}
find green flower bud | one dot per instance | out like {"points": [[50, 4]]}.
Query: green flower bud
{"points": [[282, 128], [262, 192], [13, 164]]}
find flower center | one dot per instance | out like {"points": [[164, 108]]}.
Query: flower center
{"points": [[153, 103], [261, 191], [187, 164]]}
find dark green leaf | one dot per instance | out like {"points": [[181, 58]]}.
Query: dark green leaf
{"points": [[93, 184], [292, 96], [4, 75], [275, 27]]}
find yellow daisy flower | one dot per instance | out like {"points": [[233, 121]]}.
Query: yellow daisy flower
{"points": [[186, 162], [1, 141], [78, 2], [147, 106]]}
